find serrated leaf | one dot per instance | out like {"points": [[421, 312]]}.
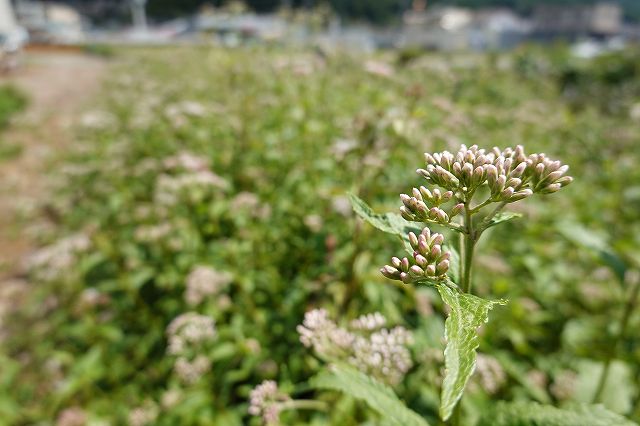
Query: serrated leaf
{"points": [[534, 414], [468, 312], [391, 223], [378, 396], [503, 217]]}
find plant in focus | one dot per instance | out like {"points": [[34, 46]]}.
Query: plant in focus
{"points": [[466, 193]]}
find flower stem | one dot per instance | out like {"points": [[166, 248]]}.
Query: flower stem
{"points": [[622, 329], [469, 245]]}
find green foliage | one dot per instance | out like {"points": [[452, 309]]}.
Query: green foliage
{"points": [[467, 313], [12, 101], [379, 397], [290, 133], [533, 414]]}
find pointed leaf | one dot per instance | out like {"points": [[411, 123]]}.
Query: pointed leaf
{"points": [[378, 396], [502, 217], [468, 312]]}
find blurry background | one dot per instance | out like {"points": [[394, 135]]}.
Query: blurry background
{"points": [[141, 142]]}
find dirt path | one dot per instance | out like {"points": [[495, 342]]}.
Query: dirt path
{"points": [[58, 85]]}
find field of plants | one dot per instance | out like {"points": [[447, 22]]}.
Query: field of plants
{"points": [[204, 260]]}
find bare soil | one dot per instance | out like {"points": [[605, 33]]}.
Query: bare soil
{"points": [[58, 84]]}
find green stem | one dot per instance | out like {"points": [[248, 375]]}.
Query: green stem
{"points": [[305, 404], [622, 330], [469, 245]]}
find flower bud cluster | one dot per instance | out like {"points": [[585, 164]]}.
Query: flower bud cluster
{"points": [[202, 282], [189, 330], [266, 400], [429, 260], [426, 205], [377, 351], [510, 174]]}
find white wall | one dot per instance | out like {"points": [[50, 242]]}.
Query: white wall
{"points": [[7, 18]]}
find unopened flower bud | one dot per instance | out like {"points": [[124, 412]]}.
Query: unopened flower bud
{"points": [[416, 270], [551, 188], [507, 193], [430, 271], [416, 194], [396, 262], [404, 264], [406, 200], [390, 272], [442, 267], [426, 193], [413, 240], [437, 239], [406, 215], [564, 181], [519, 170], [456, 209], [520, 195], [405, 278], [436, 251]]}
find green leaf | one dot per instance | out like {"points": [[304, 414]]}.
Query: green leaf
{"points": [[534, 414], [619, 388], [391, 223], [596, 242], [502, 217], [468, 312], [378, 396]]}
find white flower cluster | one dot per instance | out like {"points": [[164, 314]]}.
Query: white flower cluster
{"points": [[249, 202], [179, 113], [144, 415], [194, 186], [186, 161], [369, 322], [374, 350], [190, 371], [189, 330], [322, 334], [490, 373], [187, 333], [72, 416], [54, 261], [384, 354], [266, 400], [204, 281]]}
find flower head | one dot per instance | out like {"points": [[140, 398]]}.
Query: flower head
{"points": [[189, 330], [266, 400], [204, 281]]}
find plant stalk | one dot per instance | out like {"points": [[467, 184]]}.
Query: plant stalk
{"points": [[622, 330]]}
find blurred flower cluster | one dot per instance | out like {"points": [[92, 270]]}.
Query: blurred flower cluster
{"points": [[380, 352], [188, 334], [266, 400]]}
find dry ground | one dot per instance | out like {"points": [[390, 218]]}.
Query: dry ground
{"points": [[59, 85]]}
